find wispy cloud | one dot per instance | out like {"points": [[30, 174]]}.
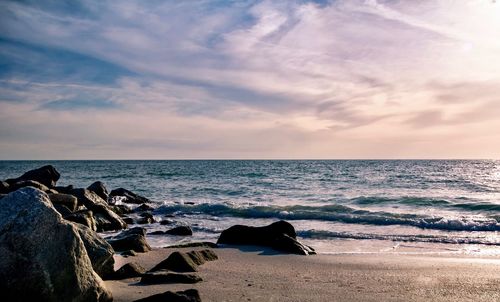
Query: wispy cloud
{"points": [[183, 79]]}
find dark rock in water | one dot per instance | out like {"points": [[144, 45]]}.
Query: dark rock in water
{"points": [[67, 200], [180, 231], [143, 207], [131, 241], [205, 244], [136, 230], [185, 262], [98, 250], [271, 236], [287, 244], [145, 220], [121, 209], [99, 188], [83, 217], [128, 220], [166, 222], [164, 277], [130, 197], [63, 210], [28, 183], [46, 175], [128, 253], [4, 187], [190, 295], [146, 215], [106, 219], [42, 256], [157, 233], [65, 190], [129, 270]]}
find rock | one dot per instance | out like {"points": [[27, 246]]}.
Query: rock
{"points": [[64, 190], [99, 251], [180, 231], [121, 209], [66, 200], [185, 262], [164, 277], [28, 183], [128, 253], [106, 219], [135, 242], [143, 207], [46, 175], [83, 217], [128, 220], [145, 220], [4, 187], [190, 295], [136, 230], [204, 244], [130, 197], [129, 270], [63, 210], [99, 188], [166, 222], [43, 256], [272, 236]]}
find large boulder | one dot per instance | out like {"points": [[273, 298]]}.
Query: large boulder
{"points": [[106, 219], [46, 175], [99, 250], [128, 196], [180, 231], [42, 255], [28, 183], [66, 200], [83, 217], [133, 239], [99, 188], [280, 236]]}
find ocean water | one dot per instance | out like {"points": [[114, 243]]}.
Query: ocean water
{"points": [[336, 206]]}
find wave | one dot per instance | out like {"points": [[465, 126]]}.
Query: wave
{"points": [[318, 234], [338, 213]]}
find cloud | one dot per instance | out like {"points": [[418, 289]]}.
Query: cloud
{"points": [[248, 78]]}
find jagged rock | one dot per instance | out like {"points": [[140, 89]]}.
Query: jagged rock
{"points": [[185, 262], [164, 277], [130, 197], [129, 270], [46, 175], [66, 200], [99, 251], [190, 295], [136, 230], [63, 210], [279, 235], [43, 257], [128, 253], [106, 219], [28, 183], [64, 190], [4, 187], [99, 188], [84, 217], [130, 241], [180, 231], [121, 209]]}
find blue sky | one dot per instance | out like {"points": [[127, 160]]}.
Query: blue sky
{"points": [[249, 79]]}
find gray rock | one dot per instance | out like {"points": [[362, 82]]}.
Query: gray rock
{"points": [[99, 188], [46, 175], [134, 242], [129, 270], [67, 200], [143, 207], [130, 197], [43, 256], [28, 183], [287, 244], [180, 231], [164, 277], [185, 262], [83, 217], [100, 252], [190, 295], [63, 210], [64, 190]]}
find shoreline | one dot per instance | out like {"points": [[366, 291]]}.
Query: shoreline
{"points": [[251, 273]]}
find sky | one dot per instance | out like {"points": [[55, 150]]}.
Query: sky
{"points": [[198, 79]]}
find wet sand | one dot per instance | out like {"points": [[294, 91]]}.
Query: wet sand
{"points": [[255, 274]]}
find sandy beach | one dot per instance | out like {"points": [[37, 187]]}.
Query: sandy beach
{"points": [[256, 274]]}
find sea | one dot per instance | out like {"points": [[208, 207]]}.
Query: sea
{"points": [[336, 206]]}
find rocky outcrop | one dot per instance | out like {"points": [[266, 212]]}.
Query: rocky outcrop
{"points": [[134, 240], [280, 236], [46, 175], [128, 196], [99, 189], [164, 277], [190, 295], [185, 262], [129, 270], [28, 183], [83, 217], [42, 255], [99, 251], [66, 200]]}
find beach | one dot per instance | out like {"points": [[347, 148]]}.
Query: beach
{"points": [[257, 274]]}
